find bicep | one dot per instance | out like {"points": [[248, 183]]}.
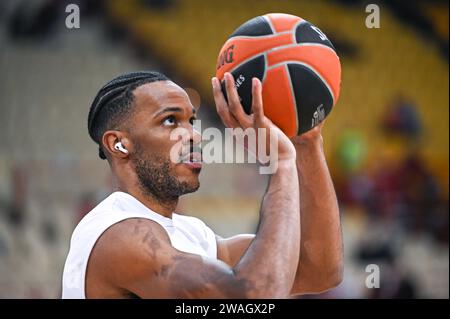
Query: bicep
{"points": [[141, 260], [184, 275]]}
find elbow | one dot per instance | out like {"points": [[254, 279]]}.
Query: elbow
{"points": [[335, 279], [267, 294], [333, 275], [319, 282], [267, 287], [245, 293], [332, 279]]}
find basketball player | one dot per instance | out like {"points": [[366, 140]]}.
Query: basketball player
{"points": [[133, 244]]}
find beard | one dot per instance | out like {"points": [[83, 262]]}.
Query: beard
{"points": [[156, 178]]}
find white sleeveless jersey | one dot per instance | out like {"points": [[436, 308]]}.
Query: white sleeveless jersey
{"points": [[187, 234]]}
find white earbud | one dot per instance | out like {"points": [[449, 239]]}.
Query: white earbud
{"points": [[118, 146]]}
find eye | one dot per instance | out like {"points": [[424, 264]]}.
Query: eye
{"points": [[169, 121]]}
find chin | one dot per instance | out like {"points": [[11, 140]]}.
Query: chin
{"points": [[188, 177], [192, 185], [189, 183]]}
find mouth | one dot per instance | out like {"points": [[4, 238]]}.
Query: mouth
{"points": [[192, 160]]}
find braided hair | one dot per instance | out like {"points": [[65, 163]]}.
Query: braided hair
{"points": [[113, 102]]}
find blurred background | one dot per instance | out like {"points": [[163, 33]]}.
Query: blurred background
{"points": [[386, 140]]}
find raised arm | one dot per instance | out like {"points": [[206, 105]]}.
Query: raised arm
{"points": [[321, 259]]}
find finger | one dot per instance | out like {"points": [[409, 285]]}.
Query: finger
{"points": [[234, 102], [217, 92], [257, 104], [222, 106]]}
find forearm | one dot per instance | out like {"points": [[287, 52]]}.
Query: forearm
{"points": [[320, 265], [270, 262]]}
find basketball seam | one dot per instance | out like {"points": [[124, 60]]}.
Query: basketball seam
{"points": [[257, 36], [279, 47], [293, 98], [294, 39], [266, 67], [274, 49], [249, 59], [303, 44], [270, 24], [309, 67]]}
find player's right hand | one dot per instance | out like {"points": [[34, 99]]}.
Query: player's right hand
{"points": [[233, 116]]}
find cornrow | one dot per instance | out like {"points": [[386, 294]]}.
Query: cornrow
{"points": [[114, 101]]}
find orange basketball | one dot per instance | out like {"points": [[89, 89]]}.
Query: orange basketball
{"points": [[296, 63]]}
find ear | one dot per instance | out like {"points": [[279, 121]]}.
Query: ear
{"points": [[111, 138]]}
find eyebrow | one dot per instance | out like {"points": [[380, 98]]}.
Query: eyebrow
{"points": [[173, 109]]}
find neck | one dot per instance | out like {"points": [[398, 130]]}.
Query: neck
{"points": [[163, 207], [130, 185]]}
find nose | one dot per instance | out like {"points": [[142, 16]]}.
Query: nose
{"points": [[196, 135], [192, 135]]}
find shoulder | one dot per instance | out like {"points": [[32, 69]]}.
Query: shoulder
{"points": [[130, 236], [104, 207], [127, 250]]}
